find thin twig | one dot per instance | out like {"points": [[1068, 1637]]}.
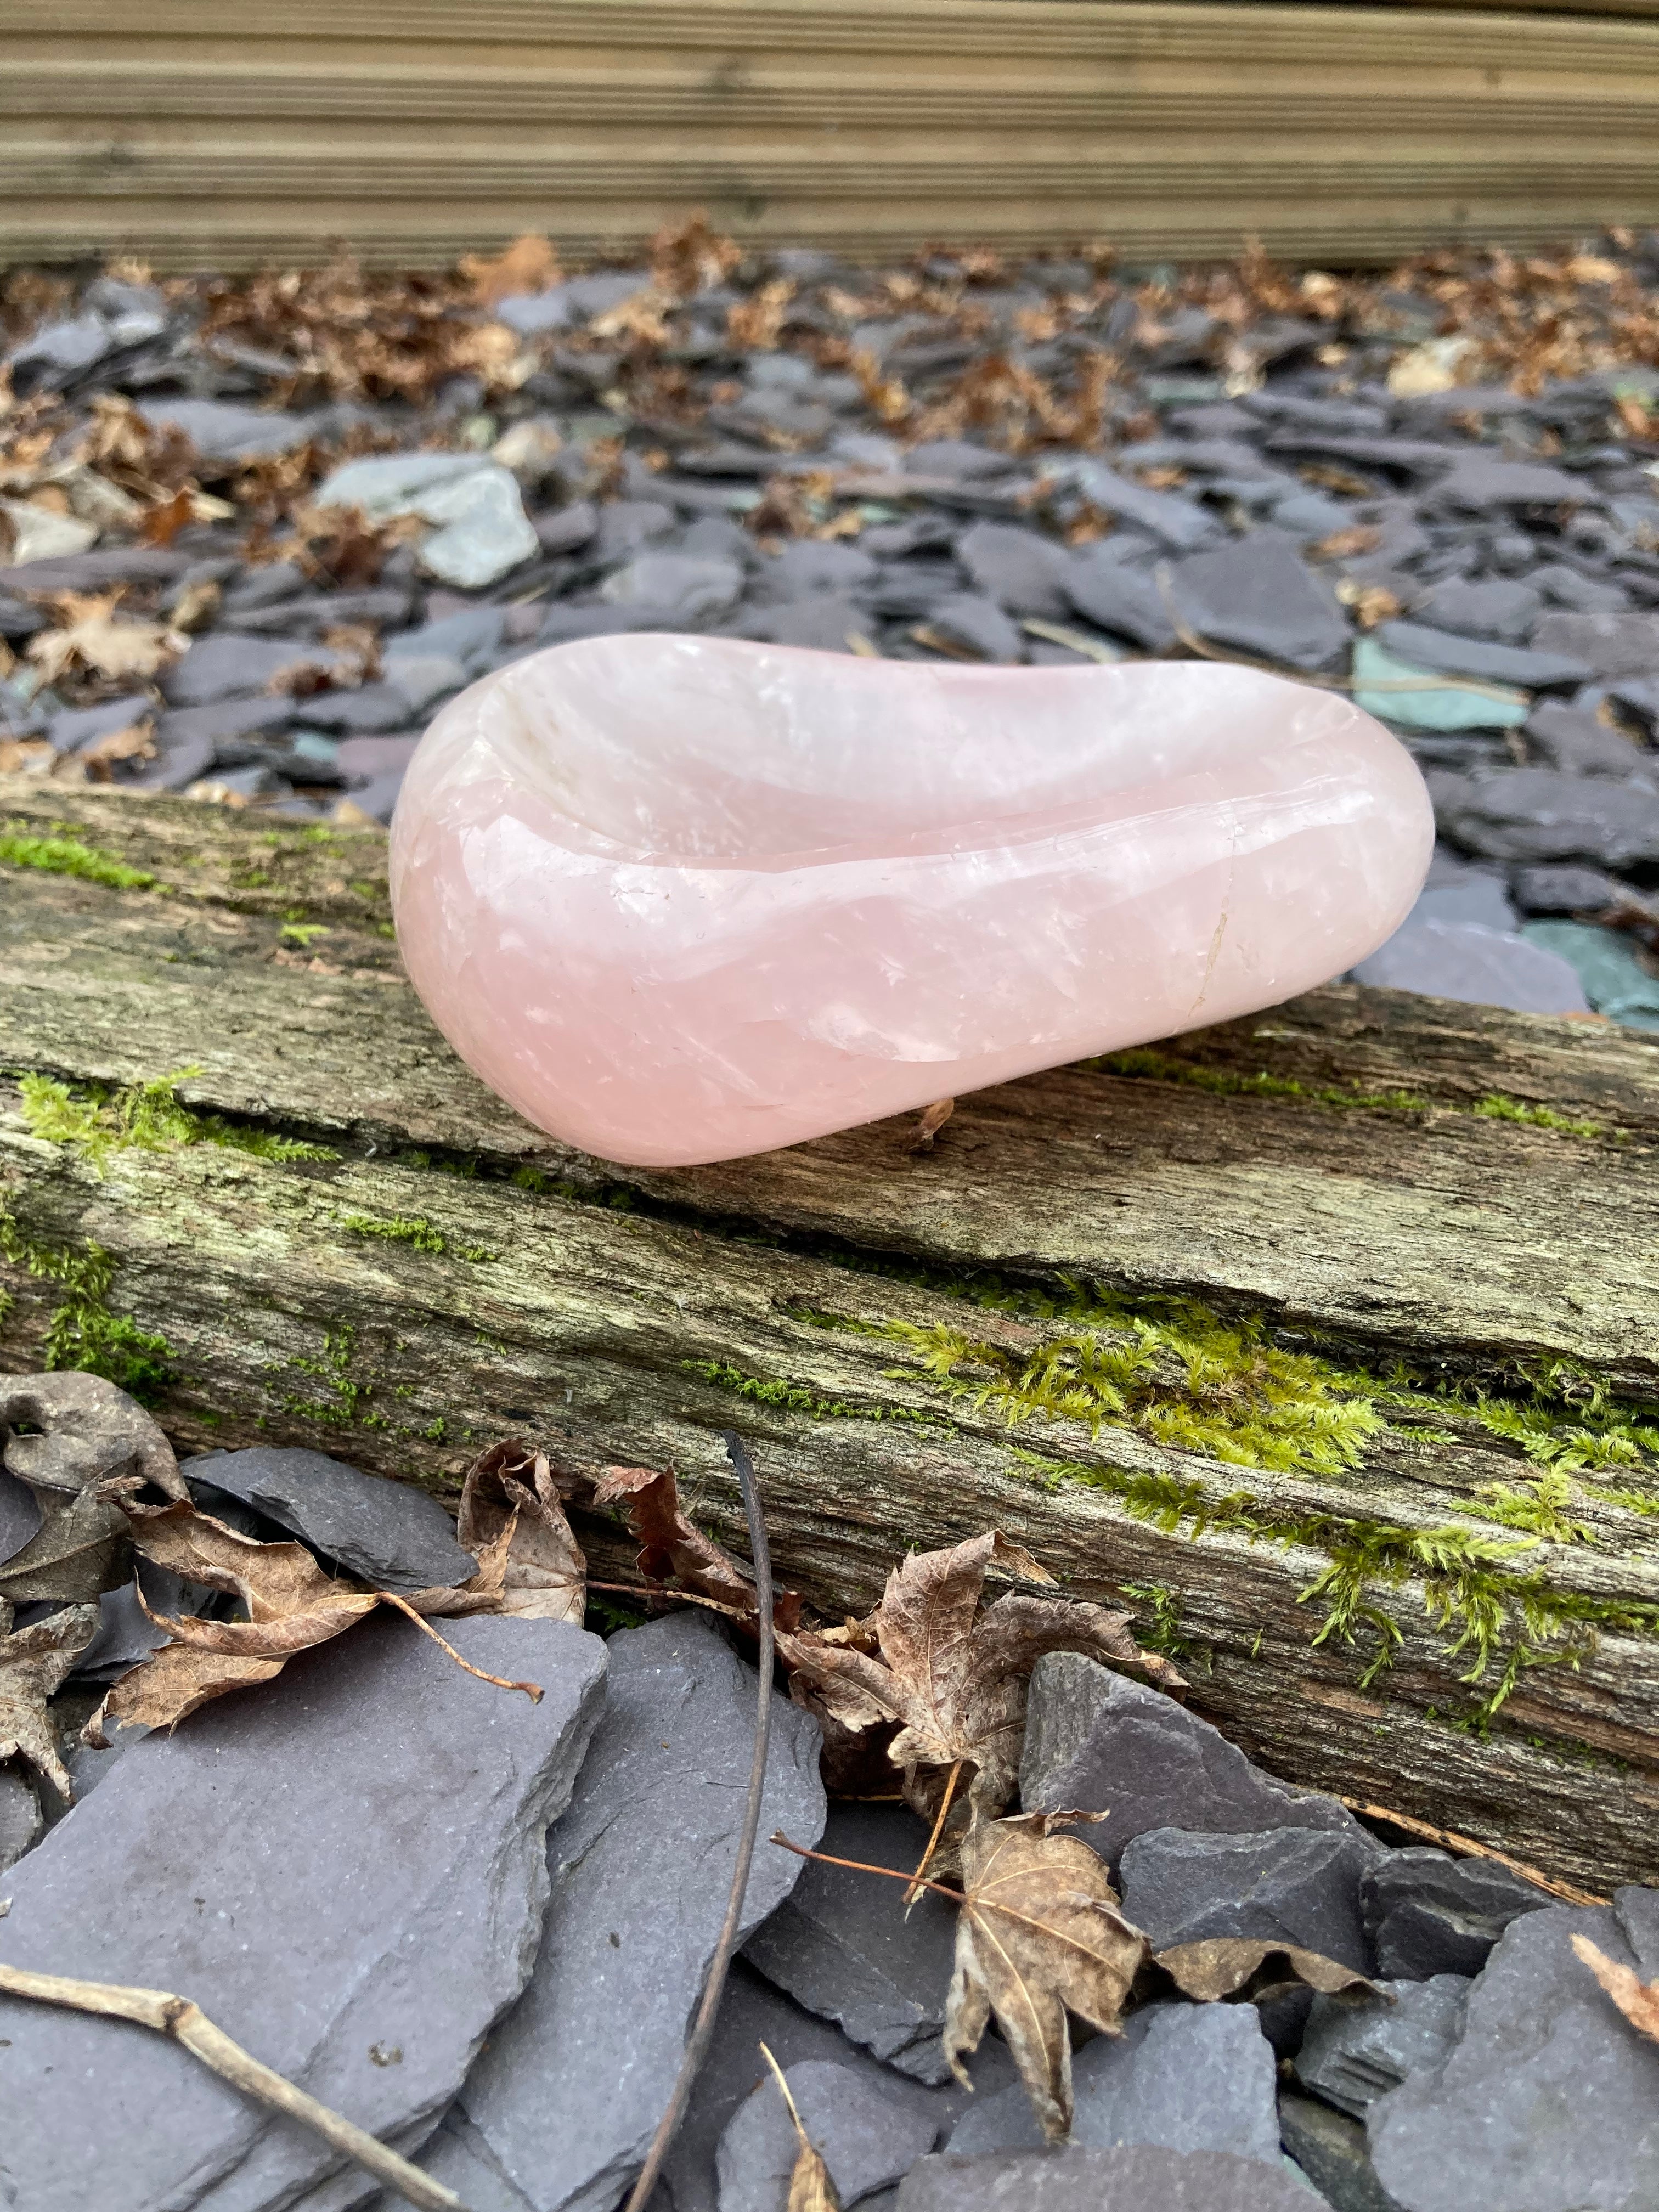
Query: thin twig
{"points": [[188, 2025], [944, 1806], [696, 2048], [532, 1690], [1451, 1841]]}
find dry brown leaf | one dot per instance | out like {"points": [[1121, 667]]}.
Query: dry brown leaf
{"points": [[1039, 1934], [1346, 545], [26, 755], [291, 1605], [90, 638], [956, 1684], [754, 325], [87, 1434], [687, 256], [33, 1663], [529, 265], [197, 604], [163, 521], [136, 741], [1221, 1966], [1370, 603], [671, 1547], [930, 1120], [1638, 2000], [513, 1523]]}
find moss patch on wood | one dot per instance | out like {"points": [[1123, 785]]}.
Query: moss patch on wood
{"points": [[67, 856], [96, 1121], [82, 1333]]}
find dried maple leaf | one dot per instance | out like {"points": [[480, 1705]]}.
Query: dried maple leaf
{"points": [[513, 1523], [66, 1435], [670, 1546], [1638, 2000], [955, 1683], [291, 1605], [136, 741], [811, 2188], [529, 265], [32, 1664], [1222, 1965], [91, 638], [1039, 1934]]}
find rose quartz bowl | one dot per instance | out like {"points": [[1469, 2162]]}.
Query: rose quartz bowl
{"points": [[679, 899]]}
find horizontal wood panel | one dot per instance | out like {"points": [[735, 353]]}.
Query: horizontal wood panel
{"points": [[414, 132]]}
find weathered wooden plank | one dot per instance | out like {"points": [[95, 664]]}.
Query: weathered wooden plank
{"points": [[451, 1274], [1341, 132]]}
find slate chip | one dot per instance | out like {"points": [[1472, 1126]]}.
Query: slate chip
{"points": [[350, 1857], [842, 1945], [1021, 569], [1098, 1741], [869, 2132], [1185, 2076], [1428, 1913], [1448, 653], [1539, 814], [1290, 1885], [1256, 596], [565, 2100], [1357, 2047], [1550, 2101], [20, 1816], [1080, 2180], [389, 1534], [1478, 966], [1330, 2148]]}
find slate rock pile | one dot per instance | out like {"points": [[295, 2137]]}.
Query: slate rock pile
{"points": [[480, 1926], [329, 504]]}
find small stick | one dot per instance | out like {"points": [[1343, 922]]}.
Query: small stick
{"points": [[1470, 1848], [696, 2048], [532, 1690], [944, 1806], [188, 2025]]}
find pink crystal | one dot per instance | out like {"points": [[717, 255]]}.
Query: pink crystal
{"points": [[679, 899]]}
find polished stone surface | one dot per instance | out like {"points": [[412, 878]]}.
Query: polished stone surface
{"points": [[682, 899]]}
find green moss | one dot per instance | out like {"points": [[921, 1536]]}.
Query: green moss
{"points": [[1146, 1064], [303, 934], [1161, 1630], [399, 1228], [97, 1123], [792, 1398], [67, 856], [1491, 1616], [347, 1394], [83, 1333]]}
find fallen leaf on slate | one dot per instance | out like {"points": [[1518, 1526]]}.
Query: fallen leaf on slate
{"points": [[529, 265], [91, 638], [166, 518], [136, 741], [513, 1523], [33, 1663], [291, 1605], [954, 1683], [670, 1546], [90, 1433], [811, 2188], [1638, 2000], [1039, 1934], [1221, 1966]]}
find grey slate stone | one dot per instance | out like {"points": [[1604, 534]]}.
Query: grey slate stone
{"points": [[1611, 644], [1120, 596], [1186, 2076], [1481, 967], [1475, 896], [1021, 569], [1566, 890], [1549, 2102], [822, 622], [1181, 524], [126, 1634], [808, 565], [229, 665], [1097, 1741], [1134, 2179], [1498, 607], [566, 2098], [388, 1533], [1572, 740], [1357, 2047], [978, 624], [842, 1945], [1579, 594], [346, 1861], [567, 529], [1330, 2150], [1290, 1885], [1256, 595], [626, 526], [20, 1816], [1450, 655], [1538, 814], [84, 726], [372, 710], [1428, 1913], [679, 588], [870, 2133], [221, 431], [1481, 483]]}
